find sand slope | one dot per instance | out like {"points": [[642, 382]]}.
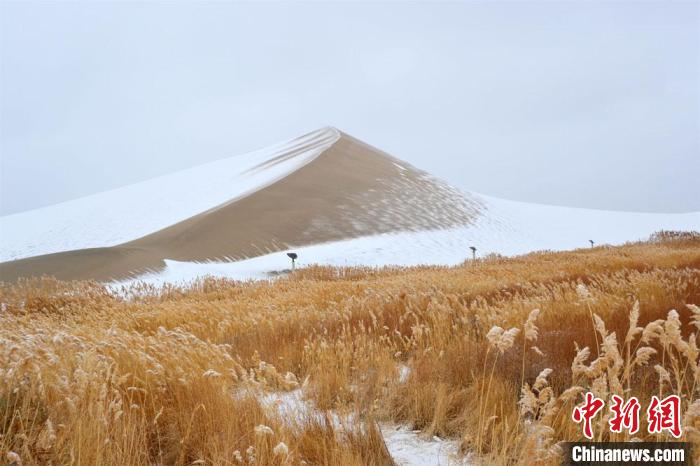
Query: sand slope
{"points": [[343, 189], [121, 215]]}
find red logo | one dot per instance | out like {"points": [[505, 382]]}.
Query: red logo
{"points": [[662, 415], [665, 415], [587, 412], [626, 415]]}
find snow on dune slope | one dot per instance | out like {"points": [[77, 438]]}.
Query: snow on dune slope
{"points": [[352, 191], [130, 212], [506, 227]]}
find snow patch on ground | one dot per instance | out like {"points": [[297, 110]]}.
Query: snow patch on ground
{"points": [[407, 447], [404, 372], [292, 405], [410, 448]]}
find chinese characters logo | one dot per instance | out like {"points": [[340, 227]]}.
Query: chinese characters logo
{"points": [[662, 415]]}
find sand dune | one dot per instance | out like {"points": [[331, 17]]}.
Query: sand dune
{"points": [[341, 189], [121, 215], [327, 195]]}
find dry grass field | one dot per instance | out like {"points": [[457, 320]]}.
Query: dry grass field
{"points": [[494, 353]]}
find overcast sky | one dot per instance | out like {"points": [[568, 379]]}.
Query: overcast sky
{"points": [[583, 104]]}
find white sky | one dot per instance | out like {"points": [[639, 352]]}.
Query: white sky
{"points": [[586, 104]]}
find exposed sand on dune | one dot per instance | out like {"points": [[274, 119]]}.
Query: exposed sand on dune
{"points": [[84, 264], [350, 190]]}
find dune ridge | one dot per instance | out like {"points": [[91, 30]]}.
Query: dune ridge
{"points": [[117, 216], [348, 189]]}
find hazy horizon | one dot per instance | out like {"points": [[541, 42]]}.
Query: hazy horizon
{"points": [[583, 104]]}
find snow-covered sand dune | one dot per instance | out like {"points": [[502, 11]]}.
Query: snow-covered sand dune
{"points": [[329, 197], [507, 228], [130, 212]]}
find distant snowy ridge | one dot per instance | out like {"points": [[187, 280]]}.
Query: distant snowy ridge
{"points": [[127, 213]]}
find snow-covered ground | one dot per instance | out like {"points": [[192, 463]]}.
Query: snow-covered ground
{"points": [[127, 213], [507, 228], [411, 448], [407, 447]]}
